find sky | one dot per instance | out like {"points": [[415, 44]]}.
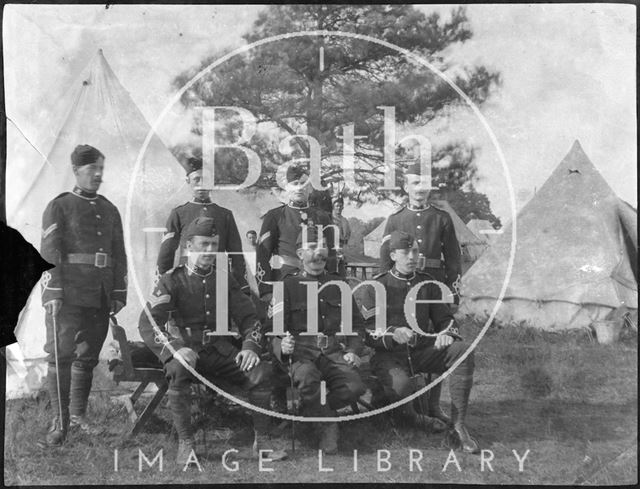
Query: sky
{"points": [[568, 73]]}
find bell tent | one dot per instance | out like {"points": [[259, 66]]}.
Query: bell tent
{"points": [[575, 258]]}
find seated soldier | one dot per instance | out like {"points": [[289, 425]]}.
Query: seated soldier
{"points": [[312, 359], [395, 358], [188, 293]]}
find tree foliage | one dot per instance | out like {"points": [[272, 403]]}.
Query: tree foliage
{"points": [[290, 91]]}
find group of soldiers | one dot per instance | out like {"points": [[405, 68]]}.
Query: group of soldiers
{"points": [[298, 244]]}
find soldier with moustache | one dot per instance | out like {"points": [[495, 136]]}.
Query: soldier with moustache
{"points": [[201, 205], [400, 344], [438, 248], [187, 294], [281, 227], [328, 355], [82, 237]]}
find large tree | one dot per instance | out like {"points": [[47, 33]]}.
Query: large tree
{"points": [[316, 85]]}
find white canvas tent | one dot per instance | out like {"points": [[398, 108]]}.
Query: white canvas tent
{"points": [[479, 227], [575, 259], [101, 113], [470, 245]]}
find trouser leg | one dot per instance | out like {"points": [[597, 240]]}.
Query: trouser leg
{"points": [[179, 394], [89, 339], [60, 344]]}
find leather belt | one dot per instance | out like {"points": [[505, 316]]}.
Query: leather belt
{"points": [[99, 260], [205, 336], [320, 341]]}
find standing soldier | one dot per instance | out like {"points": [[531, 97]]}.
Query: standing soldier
{"points": [[281, 227], [278, 235], [401, 352], [438, 248], [323, 356], [201, 205], [82, 237], [188, 293]]}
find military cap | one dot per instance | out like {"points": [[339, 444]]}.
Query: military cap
{"points": [[295, 172], [399, 240], [85, 155], [201, 226], [311, 236], [413, 169], [192, 164]]}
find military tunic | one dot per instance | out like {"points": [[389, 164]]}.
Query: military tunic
{"points": [[188, 295], [320, 357], [390, 362], [229, 237], [278, 235], [82, 237], [437, 242]]}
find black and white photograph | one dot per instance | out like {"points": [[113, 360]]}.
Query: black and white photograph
{"points": [[308, 243]]}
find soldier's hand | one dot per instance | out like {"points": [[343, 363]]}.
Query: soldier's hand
{"points": [[247, 359], [453, 307], [53, 306], [266, 298], [116, 306], [188, 355], [288, 344], [352, 359], [402, 335], [443, 341]]}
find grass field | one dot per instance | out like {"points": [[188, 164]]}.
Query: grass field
{"points": [[569, 401]]}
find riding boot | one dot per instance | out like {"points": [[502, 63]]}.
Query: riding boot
{"points": [[57, 431], [460, 389], [427, 423], [261, 425], [81, 379], [328, 437], [180, 406], [435, 411]]}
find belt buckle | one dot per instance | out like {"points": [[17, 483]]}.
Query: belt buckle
{"points": [[322, 336], [206, 337], [100, 260]]}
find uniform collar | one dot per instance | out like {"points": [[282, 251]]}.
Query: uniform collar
{"points": [[416, 209], [304, 273], [83, 193], [293, 206], [402, 276], [201, 201], [201, 272]]}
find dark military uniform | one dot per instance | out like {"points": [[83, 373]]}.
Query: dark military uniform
{"points": [[390, 362], [188, 295], [437, 243], [180, 218], [278, 234], [82, 236], [320, 357]]}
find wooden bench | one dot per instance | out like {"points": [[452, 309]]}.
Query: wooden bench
{"points": [[125, 371]]}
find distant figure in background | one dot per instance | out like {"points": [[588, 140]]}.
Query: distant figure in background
{"points": [[345, 233], [201, 206], [252, 238], [82, 236]]}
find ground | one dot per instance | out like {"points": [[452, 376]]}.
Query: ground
{"points": [[569, 401]]}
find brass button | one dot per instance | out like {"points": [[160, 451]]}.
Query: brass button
{"points": [[207, 296], [418, 226], [98, 216], [100, 249], [99, 233], [92, 202], [208, 312]]}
